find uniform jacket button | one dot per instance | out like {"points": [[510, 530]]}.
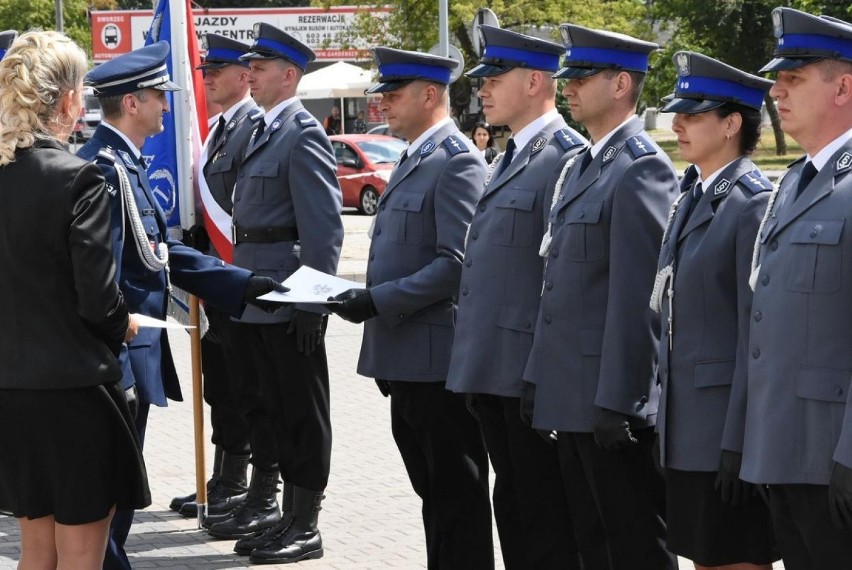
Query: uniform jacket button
{"points": [[465, 292], [401, 315], [773, 245], [468, 263], [838, 391], [765, 280], [547, 319], [548, 285], [372, 256], [758, 315], [378, 231], [474, 235], [554, 253], [755, 353], [482, 207]]}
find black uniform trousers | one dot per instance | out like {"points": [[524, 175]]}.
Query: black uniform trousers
{"points": [[444, 455], [230, 430], [529, 503], [294, 390], [806, 536], [264, 453], [627, 495]]}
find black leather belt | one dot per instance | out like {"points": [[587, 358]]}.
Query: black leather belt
{"points": [[264, 235]]}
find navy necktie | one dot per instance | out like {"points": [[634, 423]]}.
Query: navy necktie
{"points": [[261, 126], [507, 156], [807, 174], [697, 192], [220, 130], [585, 162]]}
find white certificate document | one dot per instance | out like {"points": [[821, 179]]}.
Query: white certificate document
{"points": [[146, 321], [308, 285]]}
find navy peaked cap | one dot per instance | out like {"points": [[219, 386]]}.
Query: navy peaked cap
{"points": [[143, 68], [272, 43], [6, 39], [222, 51], [590, 51], [804, 38], [398, 68], [504, 50], [704, 83]]}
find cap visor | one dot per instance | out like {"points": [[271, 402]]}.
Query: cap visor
{"points": [[216, 64], [785, 63], [487, 70], [576, 72], [689, 106], [167, 86], [387, 86]]}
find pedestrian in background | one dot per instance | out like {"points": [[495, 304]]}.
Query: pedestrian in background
{"points": [[798, 423], [68, 452], [332, 123], [702, 294], [360, 125], [594, 349], [482, 136], [409, 305], [498, 306]]}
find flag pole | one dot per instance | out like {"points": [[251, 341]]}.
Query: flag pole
{"points": [[181, 11]]}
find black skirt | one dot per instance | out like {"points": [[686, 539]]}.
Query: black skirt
{"points": [[69, 453], [707, 531]]}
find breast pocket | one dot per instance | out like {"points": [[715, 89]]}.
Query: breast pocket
{"points": [[816, 256], [264, 177], [584, 232], [221, 164], [514, 220], [407, 218]]}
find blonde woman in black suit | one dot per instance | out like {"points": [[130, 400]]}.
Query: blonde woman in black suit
{"points": [[68, 453]]}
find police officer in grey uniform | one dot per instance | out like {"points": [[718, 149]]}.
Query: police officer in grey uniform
{"points": [[798, 423], [498, 305], [132, 91], [409, 306], [593, 359], [6, 39], [702, 294], [226, 85], [287, 207]]}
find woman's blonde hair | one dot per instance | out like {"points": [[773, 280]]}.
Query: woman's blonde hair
{"points": [[39, 69]]}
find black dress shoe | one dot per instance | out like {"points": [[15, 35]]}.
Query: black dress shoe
{"points": [[179, 502], [292, 546]]}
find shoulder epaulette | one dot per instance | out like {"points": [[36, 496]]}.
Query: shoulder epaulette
{"points": [[455, 146], [107, 153], [305, 119], [566, 140], [640, 145], [755, 181]]}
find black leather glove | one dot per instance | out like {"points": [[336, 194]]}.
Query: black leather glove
{"points": [[470, 403], [307, 327], [612, 430], [258, 286], [132, 397], [384, 387], [656, 455], [840, 496], [355, 306], [733, 490], [527, 403]]}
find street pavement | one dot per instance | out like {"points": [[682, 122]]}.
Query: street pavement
{"points": [[370, 518]]}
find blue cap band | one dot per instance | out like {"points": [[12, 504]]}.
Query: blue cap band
{"points": [[816, 42], [2, 53], [292, 54], [390, 71], [533, 59], [223, 54], [719, 90], [605, 57]]}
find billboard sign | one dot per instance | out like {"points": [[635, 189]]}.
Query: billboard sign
{"points": [[115, 32]]}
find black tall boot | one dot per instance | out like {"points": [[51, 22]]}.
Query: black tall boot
{"points": [[244, 546], [301, 540], [230, 490], [179, 502], [259, 511]]}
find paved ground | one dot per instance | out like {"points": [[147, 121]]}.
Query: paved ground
{"points": [[370, 518]]}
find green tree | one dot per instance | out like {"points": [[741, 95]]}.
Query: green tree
{"points": [[23, 15]]}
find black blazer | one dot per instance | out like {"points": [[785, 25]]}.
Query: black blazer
{"points": [[63, 317]]}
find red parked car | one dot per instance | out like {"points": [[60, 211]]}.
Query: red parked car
{"points": [[364, 164]]}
